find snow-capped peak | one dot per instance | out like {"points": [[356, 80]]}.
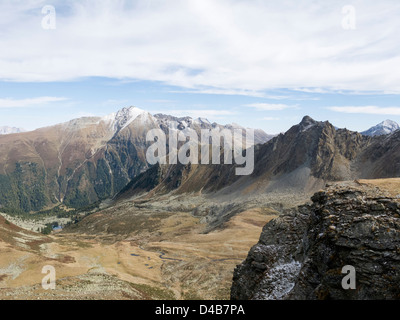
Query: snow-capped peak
{"points": [[383, 128], [389, 126], [121, 119], [9, 130]]}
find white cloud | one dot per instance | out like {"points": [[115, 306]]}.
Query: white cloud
{"points": [[270, 119], [30, 102], [84, 114], [161, 101], [231, 92], [229, 45], [367, 110], [115, 102], [277, 97], [269, 106]]}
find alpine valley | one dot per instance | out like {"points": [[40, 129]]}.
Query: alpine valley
{"points": [[80, 196]]}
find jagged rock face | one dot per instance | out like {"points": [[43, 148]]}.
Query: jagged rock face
{"points": [[301, 254], [381, 159], [317, 145]]}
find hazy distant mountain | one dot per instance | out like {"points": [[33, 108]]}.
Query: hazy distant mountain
{"points": [[385, 127], [197, 124], [9, 130]]}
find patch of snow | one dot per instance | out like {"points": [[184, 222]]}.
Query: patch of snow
{"points": [[123, 118], [307, 127], [279, 281], [109, 118], [201, 120], [14, 269], [235, 126]]}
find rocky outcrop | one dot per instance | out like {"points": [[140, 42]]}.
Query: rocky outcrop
{"points": [[300, 255]]}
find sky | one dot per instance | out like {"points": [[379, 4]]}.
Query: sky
{"points": [[262, 64]]}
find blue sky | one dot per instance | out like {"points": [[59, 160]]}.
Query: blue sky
{"points": [[261, 64]]}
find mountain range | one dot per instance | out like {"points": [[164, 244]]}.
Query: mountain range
{"points": [[303, 159], [383, 128], [89, 159], [82, 161]]}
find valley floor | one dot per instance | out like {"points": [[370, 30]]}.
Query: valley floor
{"points": [[142, 250], [174, 260]]}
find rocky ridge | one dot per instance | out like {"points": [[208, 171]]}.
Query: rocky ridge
{"points": [[302, 159]]}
